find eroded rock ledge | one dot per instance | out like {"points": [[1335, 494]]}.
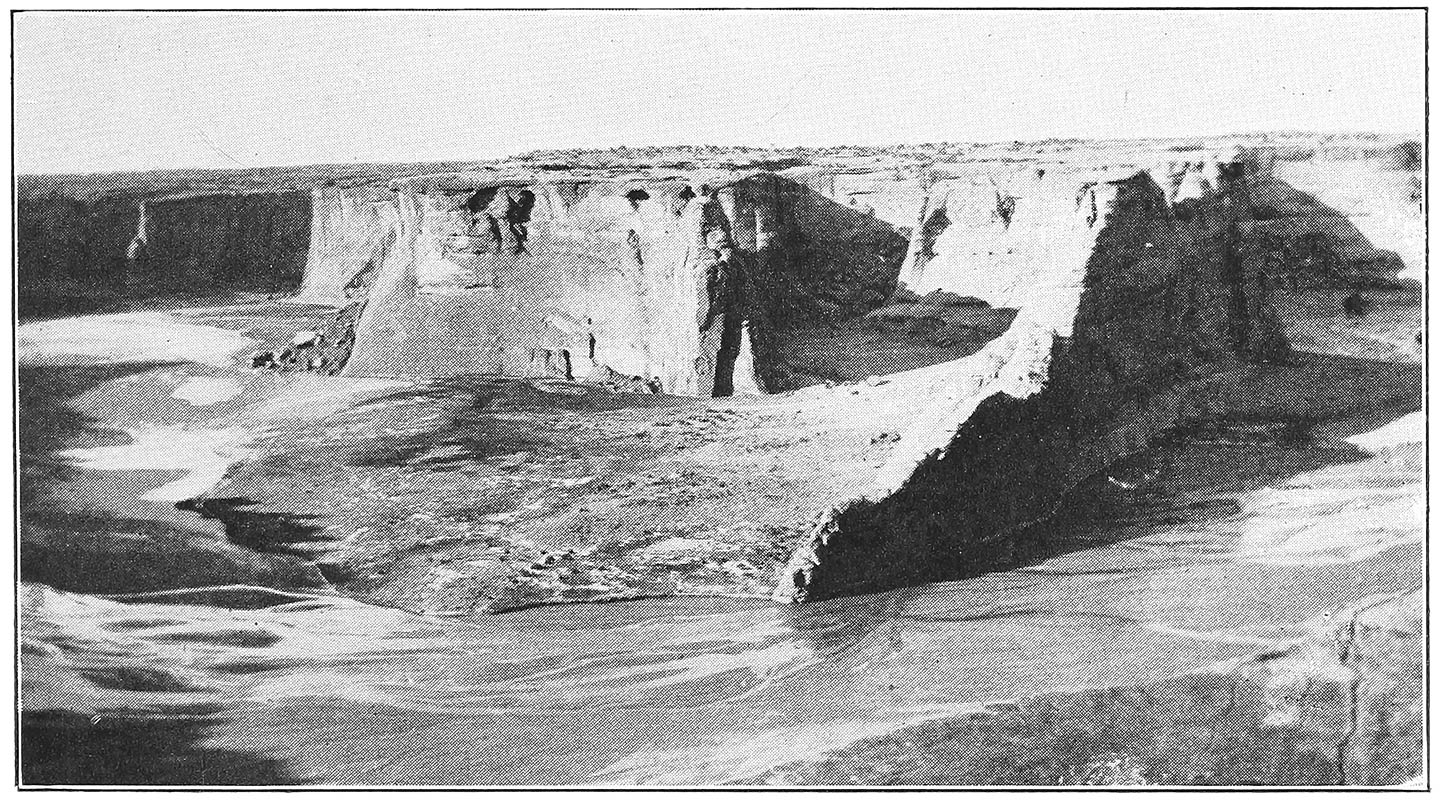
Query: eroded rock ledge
{"points": [[1343, 704], [1129, 306], [680, 284]]}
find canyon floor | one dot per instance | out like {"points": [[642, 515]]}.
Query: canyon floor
{"points": [[1240, 604]]}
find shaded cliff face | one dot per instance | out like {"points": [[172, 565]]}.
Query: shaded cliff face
{"points": [[675, 284], [1338, 222], [82, 254], [818, 268], [71, 253], [891, 194], [252, 242], [1124, 308]]}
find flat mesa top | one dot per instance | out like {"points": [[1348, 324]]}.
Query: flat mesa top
{"points": [[493, 179]]}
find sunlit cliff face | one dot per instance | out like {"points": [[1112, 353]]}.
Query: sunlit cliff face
{"points": [[561, 279], [676, 284]]}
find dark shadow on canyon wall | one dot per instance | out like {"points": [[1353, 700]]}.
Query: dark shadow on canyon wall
{"points": [[1307, 243], [1189, 478], [824, 269], [81, 254], [989, 477], [1199, 324]]}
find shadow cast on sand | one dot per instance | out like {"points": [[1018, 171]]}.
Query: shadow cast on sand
{"points": [[1192, 478], [64, 748], [46, 424], [90, 548], [263, 532], [489, 416]]}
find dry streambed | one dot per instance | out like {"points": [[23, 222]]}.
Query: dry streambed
{"points": [[480, 494], [1181, 578]]}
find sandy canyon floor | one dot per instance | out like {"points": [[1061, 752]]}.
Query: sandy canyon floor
{"points": [[1234, 606]]}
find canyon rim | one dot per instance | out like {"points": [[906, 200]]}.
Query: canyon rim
{"points": [[957, 410]]}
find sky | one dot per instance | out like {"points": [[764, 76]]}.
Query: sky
{"points": [[132, 91]]}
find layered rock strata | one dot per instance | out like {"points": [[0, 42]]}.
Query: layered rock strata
{"points": [[1124, 310], [350, 232], [671, 283]]}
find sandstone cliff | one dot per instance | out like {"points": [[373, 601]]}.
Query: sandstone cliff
{"points": [[78, 254], [350, 232], [223, 241], [1125, 310], [674, 283], [1342, 222]]}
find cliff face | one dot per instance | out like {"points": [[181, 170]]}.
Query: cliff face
{"points": [[890, 193], [350, 232], [676, 284], [251, 242], [1125, 306], [71, 253], [1332, 222], [80, 254], [1111, 311]]}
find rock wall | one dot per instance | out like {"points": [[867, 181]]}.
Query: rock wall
{"points": [[1125, 305], [1108, 314], [1338, 222], [78, 255], [350, 232], [253, 242], [675, 283], [890, 193], [71, 253]]}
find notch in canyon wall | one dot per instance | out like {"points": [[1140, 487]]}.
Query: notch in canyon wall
{"points": [[351, 230]]}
